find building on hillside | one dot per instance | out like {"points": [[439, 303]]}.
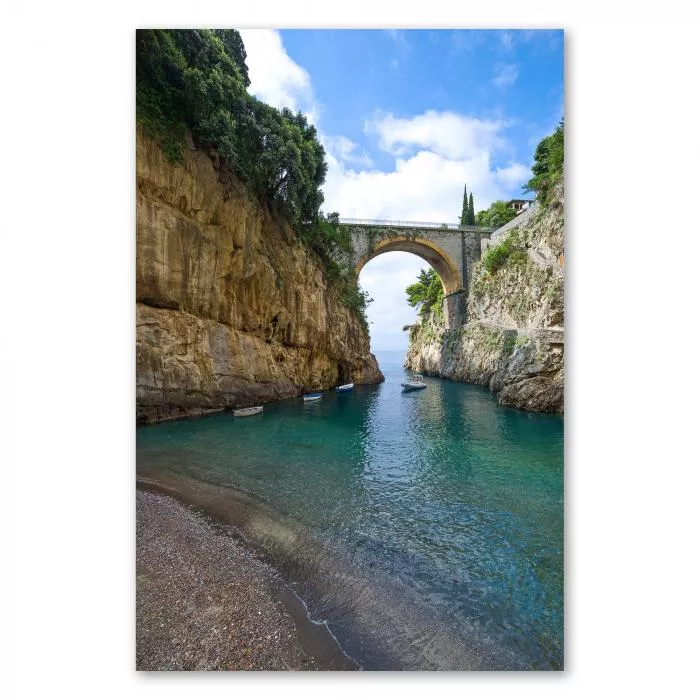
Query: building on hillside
{"points": [[520, 205]]}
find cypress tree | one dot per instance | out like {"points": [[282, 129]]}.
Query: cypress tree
{"points": [[471, 219], [465, 209]]}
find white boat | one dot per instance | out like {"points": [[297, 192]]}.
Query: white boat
{"points": [[312, 397], [413, 384], [252, 411], [344, 387]]}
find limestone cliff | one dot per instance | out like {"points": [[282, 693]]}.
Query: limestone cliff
{"points": [[231, 309], [514, 339]]}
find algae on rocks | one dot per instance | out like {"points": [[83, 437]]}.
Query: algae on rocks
{"points": [[231, 308], [514, 339]]}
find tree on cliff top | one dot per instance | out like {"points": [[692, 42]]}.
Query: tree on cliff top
{"points": [[465, 209], [427, 292], [233, 44], [549, 164], [467, 217], [196, 79], [496, 215]]}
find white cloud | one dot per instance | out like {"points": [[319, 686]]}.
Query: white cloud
{"points": [[506, 75], [426, 185], [343, 149], [446, 133], [274, 77], [514, 175]]}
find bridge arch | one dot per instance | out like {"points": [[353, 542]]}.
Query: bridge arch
{"points": [[437, 258], [450, 249]]}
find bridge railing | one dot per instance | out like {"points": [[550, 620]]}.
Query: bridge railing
{"points": [[415, 224]]}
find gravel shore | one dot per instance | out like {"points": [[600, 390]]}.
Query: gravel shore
{"points": [[204, 601]]}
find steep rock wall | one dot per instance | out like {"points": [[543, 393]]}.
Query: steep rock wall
{"points": [[231, 309], [514, 340]]}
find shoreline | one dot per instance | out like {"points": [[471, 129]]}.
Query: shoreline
{"points": [[371, 618], [183, 413], [206, 600]]}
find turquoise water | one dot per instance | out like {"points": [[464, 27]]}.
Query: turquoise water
{"points": [[428, 526]]}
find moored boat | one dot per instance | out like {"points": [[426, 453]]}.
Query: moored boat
{"points": [[344, 387], [312, 397], [413, 384], [252, 411]]}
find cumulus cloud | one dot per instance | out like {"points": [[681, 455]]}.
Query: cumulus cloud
{"points": [[505, 75], [514, 175], [435, 155], [446, 133], [425, 187], [343, 149], [274, 77]]}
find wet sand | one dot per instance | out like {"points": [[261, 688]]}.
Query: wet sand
{"points": [[205, 601]]}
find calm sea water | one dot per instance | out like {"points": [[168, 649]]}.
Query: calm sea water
{"points": [[425, 527]]}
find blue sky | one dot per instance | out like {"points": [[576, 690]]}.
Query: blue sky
{"points": [[408, 117]]}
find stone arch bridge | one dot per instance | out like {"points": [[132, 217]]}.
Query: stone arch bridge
{"points": [[450, 249]]}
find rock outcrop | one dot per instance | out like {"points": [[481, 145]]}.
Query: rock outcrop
{"points": [[231, 309], [514, 340]]}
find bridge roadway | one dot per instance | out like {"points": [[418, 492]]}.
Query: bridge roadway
{"points": [[415, 225]]}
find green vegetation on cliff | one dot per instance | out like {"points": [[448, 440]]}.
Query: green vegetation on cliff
{"points": [[498, 214], [508, 250], [549, 164], [426, 293], [195, 80]]}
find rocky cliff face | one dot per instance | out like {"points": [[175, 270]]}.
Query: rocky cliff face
{"points": [[231, 309], [514, 341]]}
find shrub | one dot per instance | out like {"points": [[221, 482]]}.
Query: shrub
{"points": [[507, 251]]}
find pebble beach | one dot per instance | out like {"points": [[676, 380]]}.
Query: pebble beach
{"points": [[206, 601]]}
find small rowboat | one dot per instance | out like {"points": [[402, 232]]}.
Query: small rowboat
{"points": [[312, 397], [413, 385], [252, 411], [344, 387]]}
